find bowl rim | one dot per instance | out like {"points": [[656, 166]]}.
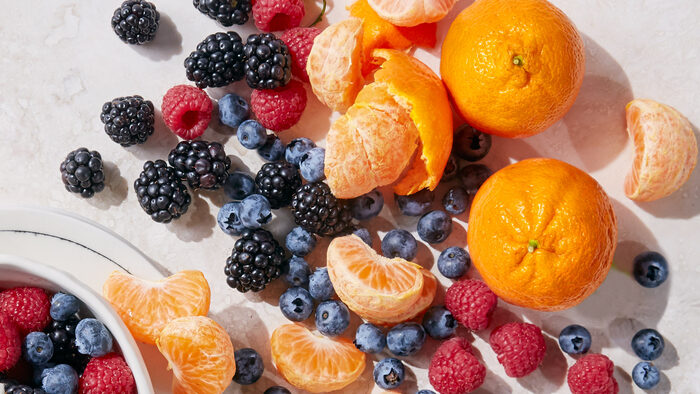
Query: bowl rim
{"points": [[96, 304]]}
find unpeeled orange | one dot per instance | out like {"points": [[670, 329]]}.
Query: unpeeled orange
{"points": [[412, 12], [542, 234]]}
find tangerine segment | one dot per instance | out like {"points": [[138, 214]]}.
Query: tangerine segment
{"points": [[422, 303], [542, 233], [314, 362], [200, 353], [147, 306], [666, 150], [412, 12], [335, 64]]}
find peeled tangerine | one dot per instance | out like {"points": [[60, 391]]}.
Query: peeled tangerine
{"points": [[666, 150], [412, 12]]}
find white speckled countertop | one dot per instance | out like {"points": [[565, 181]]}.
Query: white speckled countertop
{"points": [[60, 61]]}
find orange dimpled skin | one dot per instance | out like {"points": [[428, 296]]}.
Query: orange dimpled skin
{"points": [[513, 68], [314, 362], [542, 234]]}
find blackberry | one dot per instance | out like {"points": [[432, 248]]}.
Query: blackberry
{"points": [[136, 21], [268, 62], [82, 172], [217, 61], [256, 260], [203, 164], [128, 120], [317, 210], [226, 12], [65, 351], [23, 389], [161, 193], [278, 181]]}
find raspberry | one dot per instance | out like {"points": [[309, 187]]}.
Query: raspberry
{"points": [[520, 347], [454, 369], [471, 302], [592, 373], [10, 343], [299, 41], [187, 111], [107, 374], [281, 108], [276, 15], [28, 307]]}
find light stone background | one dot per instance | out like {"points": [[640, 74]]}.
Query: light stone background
{"points": [[60, 61]]}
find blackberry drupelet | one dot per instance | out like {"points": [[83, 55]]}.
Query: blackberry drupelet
{"points": [[217, 61], [268, 62], [136, 21], [203, 164], [226, 12], [62, 334], [23, 389], [256, 260], [161, 193], [278, 181], [82, 172], [317, 210], [128, 120]]}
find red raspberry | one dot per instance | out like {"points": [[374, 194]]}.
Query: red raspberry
{"points": [[187, 111], [107, 374], [281, 108], [592, 373], [28, 307], [276, 15], [299, 41], [520, 347], [471, 302], [10, 343], [454, 369]]}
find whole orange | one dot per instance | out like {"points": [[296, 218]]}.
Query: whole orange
{"points": [[513, 68], [542, 234]]}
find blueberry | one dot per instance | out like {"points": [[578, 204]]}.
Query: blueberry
{"points": [[37, 348], [451, 169], [650, 269], [233, 110], [434, 227], [38, 370], [645, 375], [300, 242], [239, 185], [332, 318], [389, 373], [367, 206], [471, 144], [369, 338], [320, 286], [273, 150], [297, 272], [311, 165], [249, 366], [229, 218], [252, 135], [63, 306], [439, 323], [473, 176], [405, 339], [297, 149], [364, 235], [455, 200], [399, 243], [454, 262], [296, 304], [61, 379], [648, 344], [425, 392], [277, 390], [575, 339], [416, 204], [255, 211], [93, 338]]}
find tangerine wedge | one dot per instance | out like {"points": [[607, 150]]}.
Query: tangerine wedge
{"points": [[666, 150], [200, 353], [421, 304], [412, 12], [314, 362], [147, 306]]}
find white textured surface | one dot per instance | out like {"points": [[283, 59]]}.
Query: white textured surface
{"points": [[60, 61]]}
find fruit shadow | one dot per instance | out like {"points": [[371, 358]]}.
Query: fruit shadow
{"points": [[166, 44], [158, 145], [196, 224], [115, 191], [551, 374], [622, 330]]}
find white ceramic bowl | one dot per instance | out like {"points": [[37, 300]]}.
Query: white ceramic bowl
{"points": [[18, 271]]}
